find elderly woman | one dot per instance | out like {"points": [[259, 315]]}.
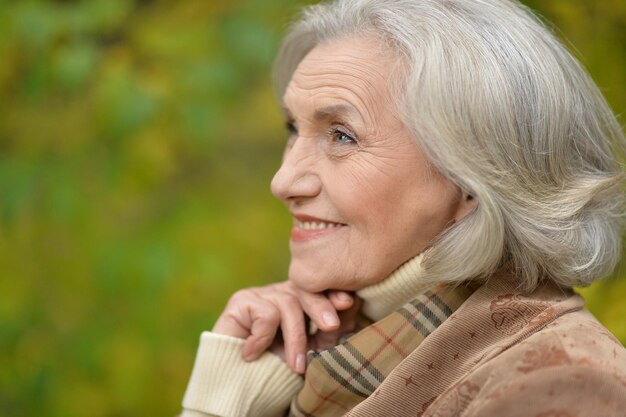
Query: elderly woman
{"points": [[451, 173]]}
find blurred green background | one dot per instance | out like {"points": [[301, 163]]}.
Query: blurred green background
{"points": [[137, 143]]}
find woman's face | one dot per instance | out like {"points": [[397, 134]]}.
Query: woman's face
{"points": [[362, 195]]}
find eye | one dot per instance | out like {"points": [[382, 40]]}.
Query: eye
{"points": [[341, 137]]}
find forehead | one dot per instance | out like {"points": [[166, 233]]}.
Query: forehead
{"points": [[355, 71]]}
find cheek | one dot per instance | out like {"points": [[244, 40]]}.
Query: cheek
{"points": [[368, 179], [434, 211], [414, 203]]}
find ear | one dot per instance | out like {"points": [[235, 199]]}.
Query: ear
{"points": [[467, 204]]}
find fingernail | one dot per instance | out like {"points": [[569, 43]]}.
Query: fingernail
{"points": [[300, 363], [330, 319]]}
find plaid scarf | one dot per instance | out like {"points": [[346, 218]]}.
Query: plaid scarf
{"points": [[339, 378]]}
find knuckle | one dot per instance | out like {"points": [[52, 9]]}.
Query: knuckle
{"points": [[264, 338], [268, 315], [238, 295], [288, 287], [246, 295], [291, 302]]}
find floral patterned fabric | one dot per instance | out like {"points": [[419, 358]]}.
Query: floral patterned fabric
{"points": [[508, 354]]}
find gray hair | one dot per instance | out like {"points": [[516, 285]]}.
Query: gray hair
{"points": [[504, 111]]}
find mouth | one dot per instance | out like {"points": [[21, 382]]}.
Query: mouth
{"points": [[315, 225], [308, 228]]}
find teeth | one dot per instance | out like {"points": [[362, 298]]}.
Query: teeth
{"points": [[315, 225]]}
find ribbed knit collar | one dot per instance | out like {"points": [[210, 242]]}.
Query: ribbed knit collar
{"points": [[341, 377], [393, 292]]}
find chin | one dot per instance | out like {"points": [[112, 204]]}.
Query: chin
{"points": [[306, 281], [311, 280]]}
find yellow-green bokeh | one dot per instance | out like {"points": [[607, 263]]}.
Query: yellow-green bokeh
{"points": [[137, 142]]}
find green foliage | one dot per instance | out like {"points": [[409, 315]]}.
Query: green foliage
{"points": [[137, 143]]}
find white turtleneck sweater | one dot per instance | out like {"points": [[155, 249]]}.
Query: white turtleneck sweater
{"points": [[223, 384]]}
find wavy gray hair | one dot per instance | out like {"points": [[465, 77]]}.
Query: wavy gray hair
{"points": [[504, 111]]}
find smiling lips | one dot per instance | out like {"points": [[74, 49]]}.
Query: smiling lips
{"points": [[308, 228]]}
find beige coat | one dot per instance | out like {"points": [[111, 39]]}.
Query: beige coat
{"points": [[506, 354]]}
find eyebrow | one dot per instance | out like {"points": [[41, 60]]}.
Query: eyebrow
{"points": [[328, 112]]}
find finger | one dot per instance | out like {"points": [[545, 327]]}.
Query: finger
{"points": [[293, 332], [227, 324], [235, 320], [265, 319], [319, 308], [326, 340], [341, 300], [348, 317]]}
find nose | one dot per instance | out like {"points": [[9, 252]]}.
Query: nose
{"points": [[297, 178]]}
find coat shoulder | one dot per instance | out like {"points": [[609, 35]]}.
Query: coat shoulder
{"points": [[576, 338], [570, 361], [573, 366]]}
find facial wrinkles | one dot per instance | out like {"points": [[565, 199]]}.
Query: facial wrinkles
{"points": [[380, 158], [373, 182], [384, 131], [382, 137], [317, 94], [369, 86], [382, 188], [366, 168], [353, 80]]}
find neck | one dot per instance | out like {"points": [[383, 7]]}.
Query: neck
{"points": [[381, 299]]}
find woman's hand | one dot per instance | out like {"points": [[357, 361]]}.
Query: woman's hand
{"points": [[256, 314]]}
